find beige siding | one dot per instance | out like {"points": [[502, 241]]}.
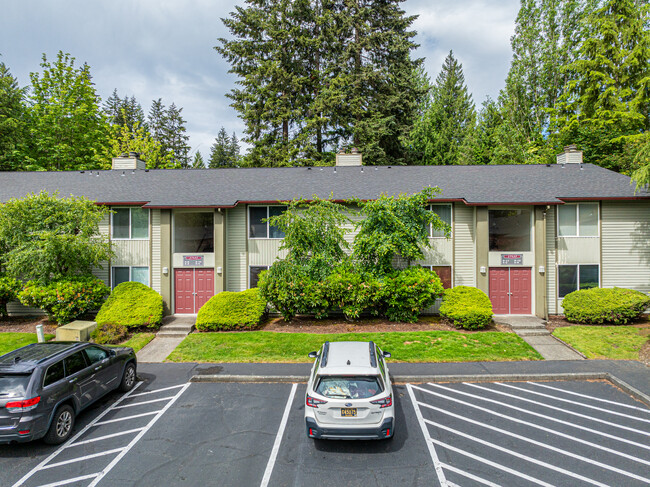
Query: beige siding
{"points": [[97, 272], [625, 228], [551, 293], [131, 252], [264, 251], [578, 250], [16, 308], [350, 229], [156, 267], [464, 246], [236, 237]]}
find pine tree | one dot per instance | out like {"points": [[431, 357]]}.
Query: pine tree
{"points": [[438, 136], [233, 150], [176, 137], [198, 162], [124, 111], [157, 120], [12, 121], [220, 152]]}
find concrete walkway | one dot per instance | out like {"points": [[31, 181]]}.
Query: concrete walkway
{"points": [[171, 334], [533, 331]]}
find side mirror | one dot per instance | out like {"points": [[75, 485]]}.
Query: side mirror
{"points": [[386, 354], [312, 354], [112, 353]]}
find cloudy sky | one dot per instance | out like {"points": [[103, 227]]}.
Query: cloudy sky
{"points": [[164, 48]]}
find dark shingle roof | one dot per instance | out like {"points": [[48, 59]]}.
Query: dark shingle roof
{"points": [[503, 184]]}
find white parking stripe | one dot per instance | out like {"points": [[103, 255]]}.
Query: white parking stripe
{"points": [[581, 404], [539, 415], [432, 450], [133, 404], [80, 459], [157, 390], [473, 477], [137, 438], [125, 418], [492, 464], [278, 438], [539, 427], [100, 438], [513, 453], [540, 444], [556, 408], [69, 481], [645, 410]]}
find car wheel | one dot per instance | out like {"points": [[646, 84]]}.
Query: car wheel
{"points": [[128, 379], [61, 427]]}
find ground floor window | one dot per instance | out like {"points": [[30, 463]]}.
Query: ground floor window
{"points": [[573, 277], [120, 274], [254, 274], [444, 273]]}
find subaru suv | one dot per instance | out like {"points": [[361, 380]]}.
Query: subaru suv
{"points": [[349, 393], [43, 386]]}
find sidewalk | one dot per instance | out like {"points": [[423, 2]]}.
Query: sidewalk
{"points": [[170, 336]]}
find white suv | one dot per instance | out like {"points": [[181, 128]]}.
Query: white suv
{"points": [[349, 393]]}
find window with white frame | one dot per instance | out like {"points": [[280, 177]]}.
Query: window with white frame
{"points": [[258, 226], [573, 277], [130, 223], [444, 213], [577, 220], [254, 272], [120, 274]]}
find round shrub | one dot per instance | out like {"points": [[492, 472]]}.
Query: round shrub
{"points": [[9, 289], [232, 311], [466, 307], [406, 292], [109, 333], [132, 305], [596, 306], [352, 291], [66, 299]]}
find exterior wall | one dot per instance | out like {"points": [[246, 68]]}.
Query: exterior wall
{"points": [[264, 251], [156, 251], [219, 251], [104, 272], [236, 249], [131, 253], [550, 266], [166, 259], [539, 278]]}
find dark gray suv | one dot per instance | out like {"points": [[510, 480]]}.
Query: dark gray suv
{"points": [[44, 385]]}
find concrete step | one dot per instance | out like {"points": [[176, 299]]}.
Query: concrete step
{"points": [[527, 326], [532, 333], [166, 334], [177, 327]]}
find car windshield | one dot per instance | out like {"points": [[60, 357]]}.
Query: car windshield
{"points": [[13, 385], [349, 387]]}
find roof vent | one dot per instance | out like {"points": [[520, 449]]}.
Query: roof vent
{"points": [[130, 161], [571, 155], [349, 362], [354, 158]]}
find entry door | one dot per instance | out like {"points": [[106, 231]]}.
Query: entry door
{"points": [[510, 290], [193, 288]]}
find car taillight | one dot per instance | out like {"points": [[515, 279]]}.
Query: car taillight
{"points": [[23, 406], [312, 402], [385, 402]]}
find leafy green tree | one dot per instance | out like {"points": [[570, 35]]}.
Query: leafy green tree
{"points": [[46, 238], [122, 140], [12, 121], [67, 128], [395, 226], [641, 148], [9, 289], [198, 162]]}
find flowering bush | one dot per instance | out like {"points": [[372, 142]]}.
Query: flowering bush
{"points": [[353, 292], [408, 291], [9, 288]]}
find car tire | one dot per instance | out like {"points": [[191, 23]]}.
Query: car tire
{"points": [[61, 426], [128, 378]]}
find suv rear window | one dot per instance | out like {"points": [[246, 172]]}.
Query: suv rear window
{"points": [[14, 385], [340, 387]]}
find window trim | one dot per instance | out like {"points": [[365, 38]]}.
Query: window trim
{"points": [[577, 205], [130, 223], [557, 274], [531, 228], [248, 214], [451, 272], [130, 267], [248, 278], [451, 223]]}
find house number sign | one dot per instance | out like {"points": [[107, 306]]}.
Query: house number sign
{"points": [[192, 261], [512, 259]]}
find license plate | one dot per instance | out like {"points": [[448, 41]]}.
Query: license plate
{"points": [[348, 412]]}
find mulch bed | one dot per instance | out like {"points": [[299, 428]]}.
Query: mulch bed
{"points": [[26, 324]]}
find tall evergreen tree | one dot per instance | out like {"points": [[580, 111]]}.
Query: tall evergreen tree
{"points": [[124, 111], [233, 149], [175, 137], [157, 120], [221, 151], [198, 162], [12, 121], [438, 136]]}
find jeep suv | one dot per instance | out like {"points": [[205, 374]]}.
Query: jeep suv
{"points": [[43, 386], [349, 393]]}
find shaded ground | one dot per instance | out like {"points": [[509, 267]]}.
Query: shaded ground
{"points": [[26, 324]]}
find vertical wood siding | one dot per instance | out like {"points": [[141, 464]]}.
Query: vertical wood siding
{"points": [[264, 251], [156, 268], [104, 229], [551, 292], [131, 252], [464, 246], [236, 237]]}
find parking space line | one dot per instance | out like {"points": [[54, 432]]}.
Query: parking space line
{"points": [[556, 408], [539, 427], [137, 438], [539, 415], [157, 390], [491, 463], [117, 420], [581, 404], [538, 443], [516, 454], [80, 459], [645, 410], [105, 437], [278, 438], [133, 404], [425, 431], [70, 481], [470, 476]]}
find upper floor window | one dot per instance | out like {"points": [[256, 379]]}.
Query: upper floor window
{"points": [[444, 213], [194, 232], [258, 227], [130, 223], [579, 220], [509, 230]]}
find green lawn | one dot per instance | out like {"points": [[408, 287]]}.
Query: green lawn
{"points": [[604, 342], [12, 341], [138, 340], [417, 346]]}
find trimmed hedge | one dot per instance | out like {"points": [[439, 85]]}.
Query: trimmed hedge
{"points": [[596, 306], [232, 311], [132, 305], [408, 291], [467, 307], [9, 289]]}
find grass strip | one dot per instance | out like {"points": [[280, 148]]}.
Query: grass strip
{"points": [[138, 340], [604, 342], [11, 341], [416, 346]]}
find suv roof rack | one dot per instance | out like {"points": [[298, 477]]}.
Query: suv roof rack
{"points": [[34, 353], [373, 357], [323, 359]]}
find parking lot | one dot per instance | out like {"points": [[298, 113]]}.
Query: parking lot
{"points": [[171, 432]]}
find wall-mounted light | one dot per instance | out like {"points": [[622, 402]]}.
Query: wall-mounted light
{"points": [[219, 270], [541, 269], [483, 270], [165, 270]]}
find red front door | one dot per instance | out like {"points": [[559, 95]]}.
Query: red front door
{"points": [[193, 288], [510, 290]]}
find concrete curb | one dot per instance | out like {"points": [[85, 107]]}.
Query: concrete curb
{"points": [[568, 346]]}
